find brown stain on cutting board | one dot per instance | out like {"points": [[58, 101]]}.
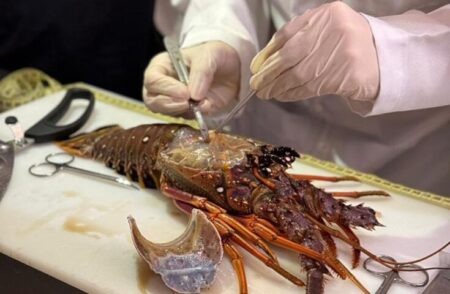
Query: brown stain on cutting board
{"points": [[81, 226], [175, 212], [70, 193], [144, 274], [75, 226], [98, 220]]}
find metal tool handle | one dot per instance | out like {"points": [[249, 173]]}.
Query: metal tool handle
{"points": [[60, 158], [51, 167], [177, 59], [369, 261], [406, 281], [117, 180], [387, 283], [173, 49], [57, 167], [238, 107], [391, 275], [89, 173], [46, 129]]}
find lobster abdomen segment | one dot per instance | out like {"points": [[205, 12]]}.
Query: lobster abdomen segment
{"points": [[132, 152]]}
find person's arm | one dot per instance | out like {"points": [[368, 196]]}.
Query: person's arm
{"points": [[242, 24], [218, 39], [414, 59], [379, 65]]}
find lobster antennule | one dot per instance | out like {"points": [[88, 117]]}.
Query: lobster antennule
{"points": [[83, 144]]}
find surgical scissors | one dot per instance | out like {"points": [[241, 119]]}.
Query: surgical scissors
{"points": [[392, 276], [56, 162]]}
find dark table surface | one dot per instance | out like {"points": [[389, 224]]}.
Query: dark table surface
{"points": [[18, 278]]}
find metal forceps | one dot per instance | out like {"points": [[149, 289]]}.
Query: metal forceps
{"points": [[235, 110], [180, 67], [392, 275], [56, 162]]}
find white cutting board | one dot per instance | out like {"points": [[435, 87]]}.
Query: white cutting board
{"points": [[75, 228]]}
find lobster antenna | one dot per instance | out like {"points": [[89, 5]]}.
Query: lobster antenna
{"points": [[428, 256], [386, 263]]}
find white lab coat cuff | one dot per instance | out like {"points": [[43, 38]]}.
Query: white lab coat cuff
{"points": [[389, 43], [407, 70]]}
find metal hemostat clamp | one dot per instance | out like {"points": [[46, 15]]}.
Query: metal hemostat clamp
{"points": [[173, 49]]}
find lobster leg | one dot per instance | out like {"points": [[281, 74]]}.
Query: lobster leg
{"points": [[249, 221], [354, 194], [244, 231], [329, 260], [323, 178], [238, 265], [356, 252], [272, 237], [330, 243], [230, 249], [260, 230], [228, 234], [227, 231], [204, 204]]}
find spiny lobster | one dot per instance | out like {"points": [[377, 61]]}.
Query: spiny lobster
{"points": [[244, 189]]}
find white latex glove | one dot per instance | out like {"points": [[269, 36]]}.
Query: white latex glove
{"points": [[327, 50], [214, 78]]}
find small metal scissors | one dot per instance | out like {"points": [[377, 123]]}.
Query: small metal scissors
{"points": [[56, 162], [392, 276]]}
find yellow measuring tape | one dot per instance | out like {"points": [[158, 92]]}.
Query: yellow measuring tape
{"points": [[25, 85]]}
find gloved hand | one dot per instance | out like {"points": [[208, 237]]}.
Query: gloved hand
{"points": [[214, 79], [327, 50]]}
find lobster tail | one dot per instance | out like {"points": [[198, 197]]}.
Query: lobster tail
{"points": [[83, 144], [131, 152]]}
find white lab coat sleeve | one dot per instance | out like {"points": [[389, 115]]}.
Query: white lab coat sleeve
{"points": [[244, 25], [414, 61]]}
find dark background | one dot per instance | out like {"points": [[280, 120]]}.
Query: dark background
{"points": [[107, 43]]}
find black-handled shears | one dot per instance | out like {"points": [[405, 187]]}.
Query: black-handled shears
{"points": [[47, 129]]}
